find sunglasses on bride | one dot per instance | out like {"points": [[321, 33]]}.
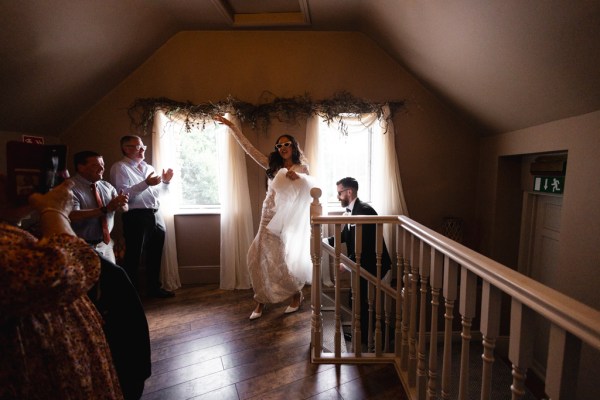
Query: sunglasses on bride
{"points": [[280, 145]]}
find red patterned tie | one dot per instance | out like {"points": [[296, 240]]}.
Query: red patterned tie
{"points": [[103, 220]]}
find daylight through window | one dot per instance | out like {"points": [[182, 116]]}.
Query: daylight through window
{"points": [[346, 155], [197, 163]]}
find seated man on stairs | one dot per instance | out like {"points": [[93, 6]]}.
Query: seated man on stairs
{"points": [[347, 190]]}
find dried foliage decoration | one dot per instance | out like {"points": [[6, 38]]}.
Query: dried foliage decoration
{"points": [[289, 110]]}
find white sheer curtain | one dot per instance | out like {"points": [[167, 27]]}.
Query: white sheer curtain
{"points": [[164, 156], [315, 162], [236, 213], [387, 195]]}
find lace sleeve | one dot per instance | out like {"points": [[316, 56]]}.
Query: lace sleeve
{"points": [[252, 151]]}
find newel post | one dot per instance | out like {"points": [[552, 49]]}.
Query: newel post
{"points": [[316, 210]]}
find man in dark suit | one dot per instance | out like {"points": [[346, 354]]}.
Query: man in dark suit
{"points": [[347, 189], [125, 327]]}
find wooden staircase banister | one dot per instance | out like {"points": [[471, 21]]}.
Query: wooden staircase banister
{"points": [[433, 272]]}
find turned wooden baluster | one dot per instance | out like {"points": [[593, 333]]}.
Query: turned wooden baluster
{"points": [[371, 316], [387, 312], [424, 267], [437, 273], [564, 351], [399, 300], [412, 328], [491, 300], [336, 271], [315, 250], [352, 303], [378, 307], [521, 345], [406, 298], [449, 291], [356, 299], [467, 305]]}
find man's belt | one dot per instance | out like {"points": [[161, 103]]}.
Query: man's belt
{"points": [[142, 210]]}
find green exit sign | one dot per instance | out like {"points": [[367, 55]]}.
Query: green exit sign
{"points": [[549, 184]]}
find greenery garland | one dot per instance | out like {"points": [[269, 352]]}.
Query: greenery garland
{"points": [[289, 110]]}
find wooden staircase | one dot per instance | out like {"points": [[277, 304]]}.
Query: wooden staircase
{"points": [[446, 311]]}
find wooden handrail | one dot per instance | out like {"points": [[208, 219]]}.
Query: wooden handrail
{"points": [[428, 263], [566, 312]]}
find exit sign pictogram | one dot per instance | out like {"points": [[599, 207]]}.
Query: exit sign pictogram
{"points": [[549, 184]]}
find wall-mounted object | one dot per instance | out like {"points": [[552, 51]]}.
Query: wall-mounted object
{"points": [[549, 184], [549, 165]]}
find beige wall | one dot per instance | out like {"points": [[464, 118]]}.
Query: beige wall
{"points": [[437, 153], [579, 248], [579, 251]]}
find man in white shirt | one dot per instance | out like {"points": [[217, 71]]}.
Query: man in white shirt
{"points": [[125, 324], [143, 228], [95, 202]]}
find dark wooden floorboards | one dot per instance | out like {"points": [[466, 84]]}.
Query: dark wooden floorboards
{"points": [[205, 347]]}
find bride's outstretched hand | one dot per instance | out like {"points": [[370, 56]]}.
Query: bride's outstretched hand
{"points": [[236, 132], [223, 120]]}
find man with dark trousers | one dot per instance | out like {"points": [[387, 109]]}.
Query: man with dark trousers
{"points": [[125, 324], [143, 227], [125, 327], [347, 190]]}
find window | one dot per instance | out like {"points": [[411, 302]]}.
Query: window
{"points": [[345, 154], [196, 162], [341, 153]]}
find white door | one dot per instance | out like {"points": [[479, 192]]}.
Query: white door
{"points": [[544, 236]]}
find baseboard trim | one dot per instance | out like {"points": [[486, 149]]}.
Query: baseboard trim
{"points": [[200, 274]]}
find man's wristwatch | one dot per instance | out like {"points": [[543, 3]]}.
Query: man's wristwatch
{"points": [[104, 210]]}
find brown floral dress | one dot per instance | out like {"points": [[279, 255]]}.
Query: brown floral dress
{"points": [[51, 341]]}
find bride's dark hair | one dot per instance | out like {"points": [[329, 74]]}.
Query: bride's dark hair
{"points": [[276, 161]]}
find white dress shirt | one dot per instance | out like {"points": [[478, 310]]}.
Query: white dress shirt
{"points": [[130, 176]]}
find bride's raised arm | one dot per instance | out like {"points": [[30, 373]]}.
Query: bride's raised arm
{"points": [[252, 151]]}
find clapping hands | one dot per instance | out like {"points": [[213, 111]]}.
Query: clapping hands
{"points": [[167, 175], [153, 180], [119, 201]]}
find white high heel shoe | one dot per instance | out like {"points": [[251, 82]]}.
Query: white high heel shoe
{"points": [[257, 314], [291, 309]]}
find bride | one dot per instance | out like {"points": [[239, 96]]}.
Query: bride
{"points": [[279, 257]]}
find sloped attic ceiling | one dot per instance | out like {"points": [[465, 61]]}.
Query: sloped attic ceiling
{"points": [[503, 64]]}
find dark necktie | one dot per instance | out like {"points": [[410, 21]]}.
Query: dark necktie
{"points": [[348, 212], [103, 220]]}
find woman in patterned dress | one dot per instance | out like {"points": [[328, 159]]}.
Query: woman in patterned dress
{"points": [[279, 257], [51, 341]]}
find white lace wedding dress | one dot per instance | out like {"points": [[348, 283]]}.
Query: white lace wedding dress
{"points": [[279, 257]]}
